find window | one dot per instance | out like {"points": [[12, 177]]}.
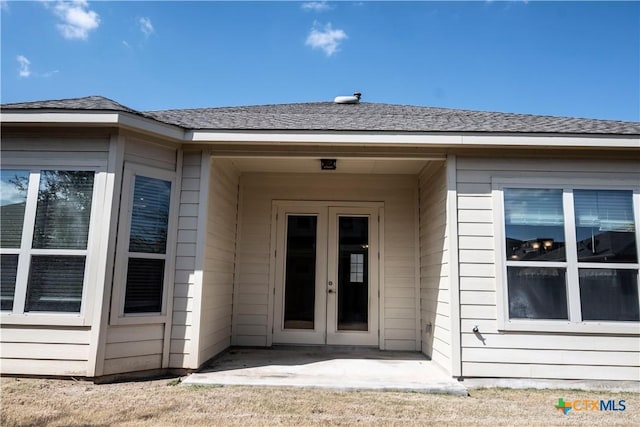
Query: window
{"points": [[44, 239], [144, 234], [569, 256], [356, 270], [606, 235], [536, 256]]}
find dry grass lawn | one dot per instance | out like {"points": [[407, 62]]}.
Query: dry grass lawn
{"points": [[38, 402]]}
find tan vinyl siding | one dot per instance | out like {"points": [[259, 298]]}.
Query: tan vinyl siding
{"points": [[44, 350], [133, 348], [150, 154], [186, 283], [219, 263], [526, 354], [52, 149], [435, 309], [399, 194]]}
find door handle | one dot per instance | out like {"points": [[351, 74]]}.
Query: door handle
{"points": [[330, 289]]}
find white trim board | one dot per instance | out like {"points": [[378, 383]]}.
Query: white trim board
{"points": [[441, 139]]}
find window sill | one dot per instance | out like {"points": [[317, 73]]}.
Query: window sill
{"points": [[44, 319], [139, 319], [564, 326]]}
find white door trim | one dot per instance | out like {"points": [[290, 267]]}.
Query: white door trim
{"points": [[279, 210], [335, 336], [300, 336]]}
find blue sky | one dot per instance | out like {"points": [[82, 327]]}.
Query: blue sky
{"points": [[579, 59]]}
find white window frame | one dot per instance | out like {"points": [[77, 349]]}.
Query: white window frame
{"points": [[575, 324], [118, 316], [18, 316]]}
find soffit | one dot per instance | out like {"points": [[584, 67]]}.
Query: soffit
{"points": [[344, 165]]}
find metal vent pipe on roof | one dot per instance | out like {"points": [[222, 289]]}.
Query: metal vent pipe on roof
{"points": [[353, 99]]}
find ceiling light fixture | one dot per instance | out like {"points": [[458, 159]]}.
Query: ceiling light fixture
{"points": [[328, 164]]}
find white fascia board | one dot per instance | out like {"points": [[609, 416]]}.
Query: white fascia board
{"points": [[100, 118], [414, 139], [337, 138], [591, 141], [66, 117], [150, 125]]}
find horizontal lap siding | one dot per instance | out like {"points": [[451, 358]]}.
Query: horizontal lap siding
{"points": [[133, 348], [44, 350], [435, 310], [251, 312], [154, 155], [524, 354], [185, 291], [54, 149], [48, 350], [217, 288]]}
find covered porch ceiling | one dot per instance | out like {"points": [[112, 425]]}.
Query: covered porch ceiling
{"points": [[403, 166]]}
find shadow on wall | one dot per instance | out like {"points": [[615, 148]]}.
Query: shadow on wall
{"points": [[434, 264]]}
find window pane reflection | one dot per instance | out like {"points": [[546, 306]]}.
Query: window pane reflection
{"points": [[64, 208], [534, 225], [150, 215], [605, 227], [13, 198]]}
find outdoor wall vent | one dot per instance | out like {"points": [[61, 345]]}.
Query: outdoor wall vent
{"points": [[353, 99]]}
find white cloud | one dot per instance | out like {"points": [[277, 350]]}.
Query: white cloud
{"points": [[10, 194], [77, 19], [24, 69], [49, 73], [146, 26], [326, 39], [315, 6], [25, 66]]}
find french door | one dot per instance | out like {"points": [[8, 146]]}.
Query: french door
{"points": [[326, 276]]}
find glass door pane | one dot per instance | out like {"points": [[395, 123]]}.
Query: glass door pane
{"points": [[300, 272], [353, 273]]}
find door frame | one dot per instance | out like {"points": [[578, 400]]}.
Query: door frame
{"points": [[329, 205]]}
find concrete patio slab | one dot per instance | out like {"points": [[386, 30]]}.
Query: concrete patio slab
{"points": [[335, 368]]}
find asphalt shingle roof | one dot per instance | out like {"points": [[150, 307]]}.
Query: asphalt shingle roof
{"points": [[364, 116], [87, 103]]}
